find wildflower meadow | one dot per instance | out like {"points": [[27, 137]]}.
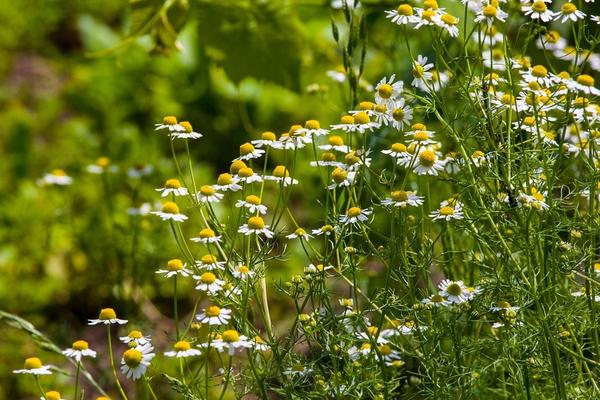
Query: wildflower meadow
{"points": [[300, 199]]}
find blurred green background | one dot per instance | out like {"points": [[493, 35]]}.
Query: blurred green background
{"points": [[83, 79]]}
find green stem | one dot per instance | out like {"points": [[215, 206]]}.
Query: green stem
{"points": [[112, 364]]}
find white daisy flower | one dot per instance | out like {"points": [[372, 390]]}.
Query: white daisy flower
{"points": [[535, 199], [214, 315], [183, 349], [230, 340], [226, 182], [252, 203], [317, 268], [428, 17], [335, 143], [568, 11], [34, 366], [136, 361], [399, 152], [142, 209], [186, 133], [247, 175], [420, 136], [448, 210], [249, 152], [403, 15], [585, 83], [299, 233], [355, 215], [210, 263], [400, 114], [357, 352], [435, 300], [209, 194], [503, 306], [420, 71], [450, 23], [387, 91], [206, 236], [256, 225], [57, 177], [78, 350], [259, 344], [101, 166], [324, 230], [242, 272], [208, 282], [539, 74], [401, 198], [291, 142], [489, 14], [172, 186], [595, 18], [338, 74], [281, 175], [538, 10], [107, 317], [359, 122], [328, 159], [341, 178], [312, 127], [267, 139], [427, 162], [135, 338], [169, 122], [170, 211], [454, 291]]}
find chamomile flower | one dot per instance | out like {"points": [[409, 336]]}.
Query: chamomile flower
{"points": [[252, 203], [420, 136], [356, 352], [435, 300], [427, 17], [341, 178], [336, 143], [208, 282], [56, 177], [311, 128], [585, 83], [186, 133], [317, 268], [135, 338], [170, 123], [449, 209], [450, 23], [489, 14], [174, 267], [420, 71], [267, 139], [135, 361], [359, 122], [78, 350], [172, 186], [230, 340], [299, 233], [281, 175], [247, 175], [502, 306], [328, 159], [206, 236], [241, 271], [259, 344], [387, 91], [568, 11], [402, 198], [400, 114], [34, 366], [210, 263], [226, 182], [256, 225], [538, 10], [249, 152], [355, 215], [338, 74], [454, 291], [183, 349], [101, 166], [399, 151], [534, 199], [138, 171], [403, 15], [170, 211], [595, 18], [52, 395], [107, 316], [427, 162], [214, 315], [324, 230]]}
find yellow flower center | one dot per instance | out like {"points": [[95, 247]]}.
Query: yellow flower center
{"points": [[103, 162], [256, 223], [58, 172], [361, 118], [208, 259], [398, 148], [339, 175], [372, 330], [80, 345], [503, 304], [351, 158], [281, 171], [107, 313], [454, 289], [347, 120], [206, 233], [213, 311], [539, 6], [207, 190], [449, 19], [236, 166], [169, 120], [405, 9], [245, 172], [243, 269], [385, 90], [230, 336], [418, 70], [366, 105], [384, 349], [336, 140], [328, 156], [182, 345], [497, 55], [428, 15], [187, 126], [225, 179], [365, 346], [529, 120], [329, 228], [294, 128], [208, 278], [490, 11], [135, 334], [431, 4], [568, 8], [170, 208], [539, 71], [427, 158], [52, 395], [446, 211], [420, 136], [312, 124], [584, 79], [252, 199], [507, 99], [246, 148], [478, 154], [132, 358], [354, 212], [172, 184], [33, 363], [436, 298], [270, 136], [552, 36], [398, 114], [399, 195], [300, 232]]}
